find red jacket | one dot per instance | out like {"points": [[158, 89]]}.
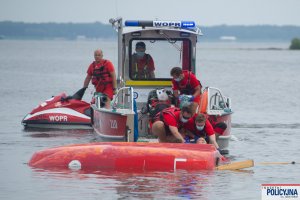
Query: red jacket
{"points": [[142, 67], [101, 78], [191, 126], [187, 85]]}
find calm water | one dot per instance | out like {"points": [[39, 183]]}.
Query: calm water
{"points": [[263, 85]]}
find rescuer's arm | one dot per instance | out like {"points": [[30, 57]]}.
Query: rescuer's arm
{"points": [[176, 134], [87, 81]]}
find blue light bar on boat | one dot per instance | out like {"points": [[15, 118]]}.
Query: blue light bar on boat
{"points": [[176, 24]]}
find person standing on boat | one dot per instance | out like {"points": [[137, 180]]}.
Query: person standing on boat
{"points": [[102, 74], [142, 63], [185, 82], [201, 130], [168, 122]]}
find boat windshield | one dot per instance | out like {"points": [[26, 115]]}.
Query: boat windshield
{"points": [[154, 58]]}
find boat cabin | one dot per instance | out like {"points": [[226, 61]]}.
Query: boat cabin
{"points": [[164, 45]]}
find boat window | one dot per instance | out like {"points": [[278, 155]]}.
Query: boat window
{"points": [[154, 58]]}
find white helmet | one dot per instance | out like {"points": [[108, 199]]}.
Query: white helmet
{"points": [[162, 95]]}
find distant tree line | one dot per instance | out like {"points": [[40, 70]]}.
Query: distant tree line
{"points": [[21, 30], [55, 30]]}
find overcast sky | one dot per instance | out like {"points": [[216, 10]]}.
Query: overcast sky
{"points": [[204, 12]]}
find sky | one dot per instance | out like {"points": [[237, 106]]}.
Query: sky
{"points": [[203, 12]]}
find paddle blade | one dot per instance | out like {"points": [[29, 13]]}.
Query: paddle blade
{"points": [[236, 165], [277, 163]]}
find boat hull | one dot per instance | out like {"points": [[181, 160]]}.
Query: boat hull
{"points": [[113, 125], [127, 156], [67, 126], [224, 138], [58, 118], [59, 112]]}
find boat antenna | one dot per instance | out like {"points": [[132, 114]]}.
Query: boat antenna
{"points": [[118, 26]]}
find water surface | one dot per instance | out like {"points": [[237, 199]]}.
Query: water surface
{"points": [[263, 84]]}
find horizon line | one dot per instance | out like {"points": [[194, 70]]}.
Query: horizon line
{"points": [[11, 21]]}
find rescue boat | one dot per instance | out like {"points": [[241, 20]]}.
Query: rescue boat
{"points": [[170, 43], [61, 112], [128, 156]]}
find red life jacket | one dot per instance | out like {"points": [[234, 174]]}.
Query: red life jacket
{"points": [[139, 72], [187, 89], [157, 107], [101, 75], [160, 117], [170, 110]]}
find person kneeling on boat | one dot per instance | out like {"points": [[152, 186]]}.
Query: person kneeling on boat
{"points": [[199, 130], [185, 82], [167, 123], [103, 76]]}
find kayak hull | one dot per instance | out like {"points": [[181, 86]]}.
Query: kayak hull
{"points": [[127, 156]]}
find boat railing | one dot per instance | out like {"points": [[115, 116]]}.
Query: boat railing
{"points": [[123, 99], [217, 103]]}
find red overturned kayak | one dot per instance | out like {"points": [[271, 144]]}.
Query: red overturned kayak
{"points": [[127, 156]]}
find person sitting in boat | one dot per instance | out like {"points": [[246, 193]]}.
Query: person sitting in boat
{"points": [[142, 63], [102, 74], [199, 130], [168, 122], [185, 83]]}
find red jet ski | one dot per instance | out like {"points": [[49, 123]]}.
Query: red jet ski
{"points": [[61, 112]]}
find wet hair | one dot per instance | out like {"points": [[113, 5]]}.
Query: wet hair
{"points": [[140, 45], [176, 71], [200, 118], [187, 109]]}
